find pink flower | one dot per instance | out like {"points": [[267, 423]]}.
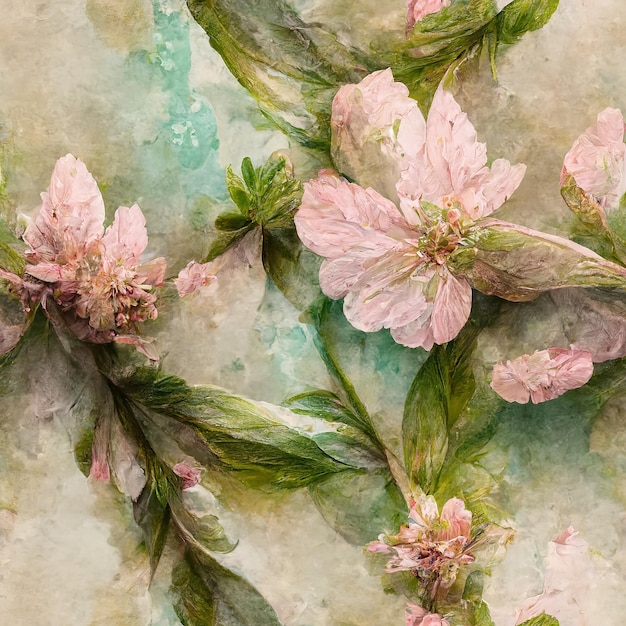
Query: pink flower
{"points": [[194, 276], [390, 265], [432, 546], [190, 475], [542, 376], [566, 583], [596, 160], [94, 276], [417, 616], [418, 9]]}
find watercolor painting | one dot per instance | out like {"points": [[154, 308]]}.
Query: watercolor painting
{"points": [[313, 313]]}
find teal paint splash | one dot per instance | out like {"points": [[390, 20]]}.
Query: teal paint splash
{"points": [[184, 153]]}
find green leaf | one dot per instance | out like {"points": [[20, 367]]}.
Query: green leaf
{"points": [[193, 600], [482, 615], [205, 529], [360, 506], [349, 444], [152, 514], [246, 438], [237, 191], [336, 342], [440, 392], [541, 620], [249, 174], [10, 259], [522, 16], [324, 405], [591, 228], [212, 595], [292, 268], [351, 447], [292, 68], [226, 240], [82, 449], [517, 263], [231, 222]]}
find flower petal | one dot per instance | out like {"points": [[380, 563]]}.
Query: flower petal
{"points": [[417, 334], [375, 127], [126, 238], [453, 153], [190, 475], [418, 9], [544, 375], [458, 518], [451, 311], [456, 162], [336, 215], [397, 304], [194, 276], [71, 213], [596, 160]]}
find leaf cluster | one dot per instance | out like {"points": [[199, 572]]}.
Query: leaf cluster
{"points": [[266, 198]]}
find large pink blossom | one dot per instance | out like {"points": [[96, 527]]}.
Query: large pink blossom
{"points": [[390, 263], [417, 616], [432, 546], [566, 583], [418, 9], [544, 375], [94, 276], [597, 160]]}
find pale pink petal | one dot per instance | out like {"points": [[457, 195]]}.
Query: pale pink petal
{"points": [[423, 512], [417, 334], [378, 547], [71, 213], [508, 381], [127, 473], [451, 311], [567, 583], [544, 375], [194, 276], [492, 187], [596, 160], [417, 616], [375, 127], [153, 272], [99, 467], [573, 368], [144, 346], [418, 9], [453, 152], [456, 163], [190, 475], [51, 272], [459, 520], [396, 305], [336, 215], [126, 238]]}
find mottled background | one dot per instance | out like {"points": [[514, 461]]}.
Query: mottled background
{"points": [[134, 89]]}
